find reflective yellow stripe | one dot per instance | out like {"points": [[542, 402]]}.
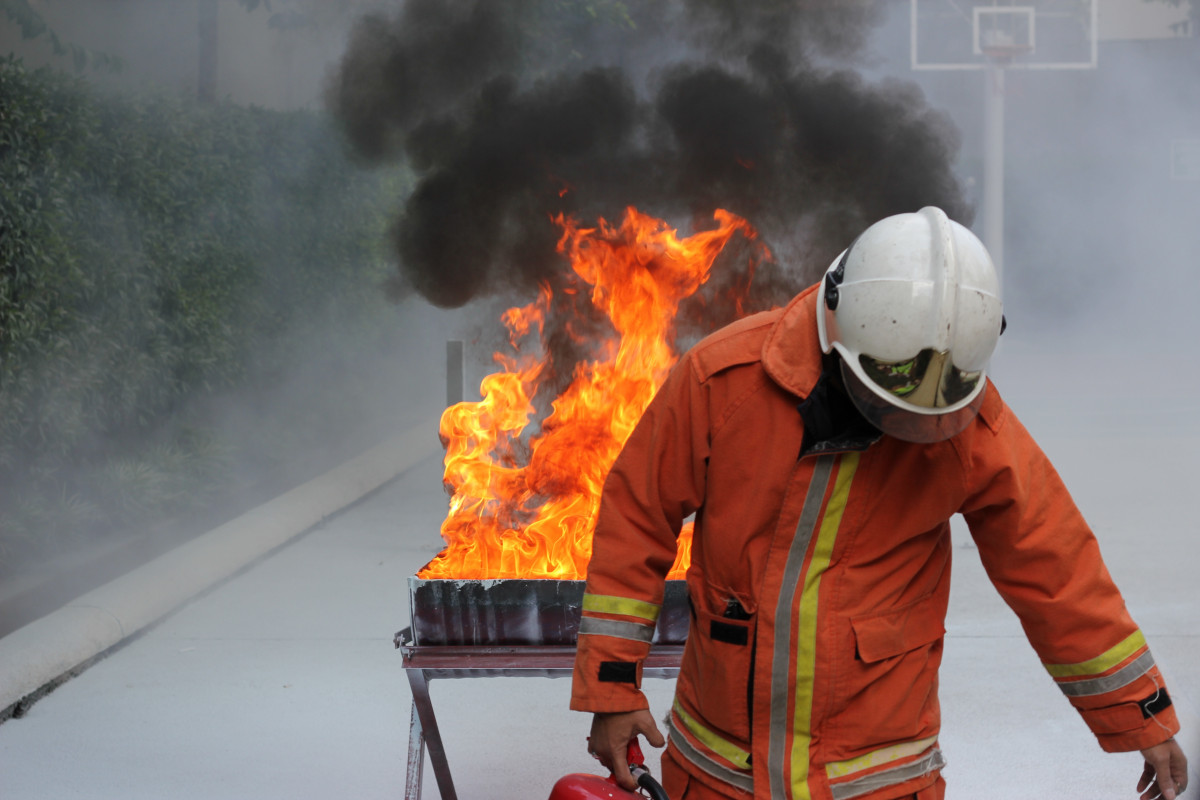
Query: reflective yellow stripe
{"points": [[806, 638], [874, 781], [609, 604], [1101, 663], [875, 758], [779, 734], [705, 762], [713, 741]]}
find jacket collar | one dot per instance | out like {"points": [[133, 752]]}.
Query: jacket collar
{"points": [[792, 352]]}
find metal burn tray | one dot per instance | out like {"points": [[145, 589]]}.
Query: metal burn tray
{"points": [[518, 612]]}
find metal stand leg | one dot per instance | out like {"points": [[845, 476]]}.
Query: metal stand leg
{"points": [[430, 735], [425, 663], [416, 757]]}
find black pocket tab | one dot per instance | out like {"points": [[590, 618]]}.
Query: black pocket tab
{"points": [[1159, 701], [727, 632], [618, 672]]}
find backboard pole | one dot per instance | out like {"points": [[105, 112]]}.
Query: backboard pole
{"points": [[1003, 36], [993, 164]]}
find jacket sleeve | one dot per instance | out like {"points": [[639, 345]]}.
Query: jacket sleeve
{"points": [[657, 480], [1045, 561]]}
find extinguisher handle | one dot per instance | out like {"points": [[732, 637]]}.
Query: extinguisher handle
{"points": [[637, 767], [633, 754], [645, 780]]}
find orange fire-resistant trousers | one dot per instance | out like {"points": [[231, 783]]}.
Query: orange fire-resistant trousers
{"points": [[680, 786]]}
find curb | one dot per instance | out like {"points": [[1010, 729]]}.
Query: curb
{"points": [[42, 652]]}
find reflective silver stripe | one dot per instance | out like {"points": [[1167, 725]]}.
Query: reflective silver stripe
{"points": [[777, 753], [889, 777], [702, 762], [1125, 675], [617, 628]]}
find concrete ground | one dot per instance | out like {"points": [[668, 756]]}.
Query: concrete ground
{"points": [[282, 682]]}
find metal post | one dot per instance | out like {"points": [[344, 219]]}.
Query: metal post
{"points": [[206, 84], [993, 164], [456, 376]]}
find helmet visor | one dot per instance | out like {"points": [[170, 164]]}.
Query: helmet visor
{"points": [[928, 380], [911, 426]]}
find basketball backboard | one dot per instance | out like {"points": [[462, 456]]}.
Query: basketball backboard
{"points": [[1020, 34]]}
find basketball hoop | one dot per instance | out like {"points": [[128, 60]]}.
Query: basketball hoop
{"points": [[1002, 34], [1005, 54]]}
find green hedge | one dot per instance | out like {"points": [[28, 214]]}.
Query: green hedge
{"points": [[157, 254]]}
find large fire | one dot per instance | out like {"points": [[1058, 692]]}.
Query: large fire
{"points": [[524, 506]]}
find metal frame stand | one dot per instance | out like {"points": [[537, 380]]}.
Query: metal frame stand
{"points": [[424, 663]]}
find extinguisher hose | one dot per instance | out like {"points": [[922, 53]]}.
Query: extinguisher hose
{"points": [[653, 788]]}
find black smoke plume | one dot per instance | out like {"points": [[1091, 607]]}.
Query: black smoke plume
{"points": [[512, 111]]}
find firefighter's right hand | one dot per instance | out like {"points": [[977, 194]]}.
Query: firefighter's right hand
{"points": [[611, 734]]}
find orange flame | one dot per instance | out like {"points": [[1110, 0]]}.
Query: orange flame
{"points": [[526, 507]]}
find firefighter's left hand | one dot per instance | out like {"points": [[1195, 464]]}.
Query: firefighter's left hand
{"points": [[1166, 774]]}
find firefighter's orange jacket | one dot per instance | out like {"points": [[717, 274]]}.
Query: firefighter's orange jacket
{"points": [[819, 584]]}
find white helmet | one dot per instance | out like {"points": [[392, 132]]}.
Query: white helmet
{"points": [[913, 308]]}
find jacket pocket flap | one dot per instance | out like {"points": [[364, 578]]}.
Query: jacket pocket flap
{"points": [[881, 636]]}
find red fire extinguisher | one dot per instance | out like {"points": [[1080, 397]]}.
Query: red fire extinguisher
{"points": [[582, 786]]}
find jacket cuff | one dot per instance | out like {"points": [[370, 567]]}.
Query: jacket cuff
{"points": [[605, 697], [633, 701], [606, 682], [1125, 727]]}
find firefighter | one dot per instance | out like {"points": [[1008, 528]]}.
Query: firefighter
{"points": [[823, 449]]}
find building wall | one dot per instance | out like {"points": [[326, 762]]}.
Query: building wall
{"points": [[159, 41], [159, 45], [1139, 19]]}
